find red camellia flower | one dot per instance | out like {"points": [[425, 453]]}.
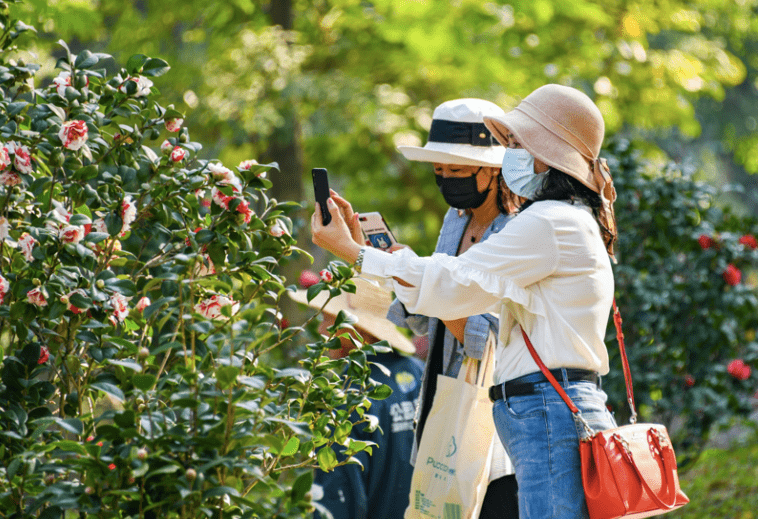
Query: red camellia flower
{"points": [[112, 466], [749, 240], [326, 276], [689, 380], [706, 242], [73, 134], [308, 278], [738, 369], [5, 158], [36, 297], [244, 209], [174, 125], [732, 275], [178, 154], [44, 355]]}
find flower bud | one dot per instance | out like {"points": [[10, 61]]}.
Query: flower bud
{"points": [[100, 284], [89, 491], [131, 480], [36, 282], [64, 299], [142, 454], [144, 353], [190, 474], [50, 479]]}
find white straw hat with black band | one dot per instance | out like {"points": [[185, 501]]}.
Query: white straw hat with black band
{"points": [[458, 135]]}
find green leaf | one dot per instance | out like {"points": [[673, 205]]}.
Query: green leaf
{"points": [[327, 460], [302, 486], [291, 446], [380, 393], [127, 363], [134, 64], [109, 388], [220, 491], [143, 381], [85, 59], [155, 67], [227, 375]]}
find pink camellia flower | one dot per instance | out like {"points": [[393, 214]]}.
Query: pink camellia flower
{"points": [[738, 369], [22, 159], [36, 297], [61, 82], [128, 214], [244, 209], [211, 307], [5, 228], [706, 242], [178, 154], [205, 267], [90, 438], [4, 287], [308, 278], [732, 275], [143, 303], [247, 164], [73, 134], [143, 86], [749, 241], [5, 158], [27, 243], [44, 355], [167, 147], [326, 276], [220, 198], [71, 233], [225, 176], [10, 178], [277, 230], [119, 305], [67, 301], [112, 466], [174, 125]]}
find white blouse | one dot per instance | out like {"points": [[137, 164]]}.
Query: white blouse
{"points": [[547, 270]]}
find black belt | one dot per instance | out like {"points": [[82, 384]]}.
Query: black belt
{"points": [[516, 388]]}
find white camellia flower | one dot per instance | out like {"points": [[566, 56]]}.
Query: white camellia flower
{"points": [[143, 86], [128, 214], [211, 307], [4, 287], [61, 82], [73, 134], [26, 242], [5, 228]]}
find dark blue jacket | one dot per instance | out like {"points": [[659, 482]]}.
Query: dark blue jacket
{"points": [[380, 490]]}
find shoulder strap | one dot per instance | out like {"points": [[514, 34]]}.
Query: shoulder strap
{"points": [[624, 360]]}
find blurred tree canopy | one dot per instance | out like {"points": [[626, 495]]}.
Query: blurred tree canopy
{"points": [[339, 83]]}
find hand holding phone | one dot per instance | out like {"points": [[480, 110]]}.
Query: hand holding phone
{"points": [[376, 231], [321, 192]]}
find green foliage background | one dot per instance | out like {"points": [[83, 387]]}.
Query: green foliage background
{"points": [[339, 84]]}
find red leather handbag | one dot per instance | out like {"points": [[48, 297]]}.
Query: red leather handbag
{"points": [[629, 471]]}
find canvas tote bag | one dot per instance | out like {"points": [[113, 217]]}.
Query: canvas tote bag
{"points": [[453, 464]]}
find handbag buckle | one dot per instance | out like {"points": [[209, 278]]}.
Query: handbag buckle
{"points": [[587, 429], [625, 444]]}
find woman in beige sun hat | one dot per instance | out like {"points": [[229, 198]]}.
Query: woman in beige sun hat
{"points": [[548, 271]]}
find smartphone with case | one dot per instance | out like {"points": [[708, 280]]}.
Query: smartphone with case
{"points": [[376, 232], [321, 191]]}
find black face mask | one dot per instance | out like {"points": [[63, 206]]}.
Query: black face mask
{"points": [[462, 193]]}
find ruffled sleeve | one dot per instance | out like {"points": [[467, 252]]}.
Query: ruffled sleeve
{"points": [[496, 271]]}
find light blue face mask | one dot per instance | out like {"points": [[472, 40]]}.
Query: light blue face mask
{"points": [[518, 173]]}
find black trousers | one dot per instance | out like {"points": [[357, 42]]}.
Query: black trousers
{"points": [[501, 499]]}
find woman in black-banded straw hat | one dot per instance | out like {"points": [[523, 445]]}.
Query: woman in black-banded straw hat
{"points": [[548, 271], [466, 159]]}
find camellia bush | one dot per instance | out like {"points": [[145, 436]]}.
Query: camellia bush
{"points": [[686, 290], [139, 321]]}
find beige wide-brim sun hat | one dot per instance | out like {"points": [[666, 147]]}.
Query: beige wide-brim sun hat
{"points": [[369, 304], [558, 125], [458, 136]]}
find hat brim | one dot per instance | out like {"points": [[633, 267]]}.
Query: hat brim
{"points": [[462, 154], [542, 145], [379, 327]]}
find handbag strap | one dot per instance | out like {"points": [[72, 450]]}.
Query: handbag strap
{"points": [[624, 361]]}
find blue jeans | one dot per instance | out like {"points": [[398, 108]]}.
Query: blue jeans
{"points": [[542, 437]]}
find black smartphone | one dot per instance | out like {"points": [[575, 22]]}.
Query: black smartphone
{"points": [[321, 190]]}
